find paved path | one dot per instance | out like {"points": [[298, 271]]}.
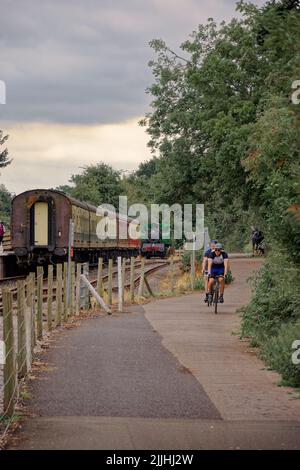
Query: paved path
{"points": [[169, 376]]}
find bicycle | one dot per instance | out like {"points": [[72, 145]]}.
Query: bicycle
{"points": [[214, 297]]}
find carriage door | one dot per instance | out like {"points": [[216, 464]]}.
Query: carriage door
{"points": [[41, 224]]}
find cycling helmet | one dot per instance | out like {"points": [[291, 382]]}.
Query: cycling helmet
{"points": [[219, 246]]}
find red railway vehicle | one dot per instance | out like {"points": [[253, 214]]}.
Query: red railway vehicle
{"points": [[40, 229]]}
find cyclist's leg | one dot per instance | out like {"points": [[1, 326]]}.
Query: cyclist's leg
{"points": [[211, 281], [206, 285], [222, 284], [222, 287]]}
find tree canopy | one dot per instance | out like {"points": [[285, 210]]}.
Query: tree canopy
{"points": [[96, 184], [4, 158], [220, 108]]}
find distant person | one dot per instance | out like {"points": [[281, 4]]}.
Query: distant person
{"points": [[2, 232], [257, 237], [212, 246]]}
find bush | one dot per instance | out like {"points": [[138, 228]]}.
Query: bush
{"points": [[229, 278], [272, 319], [276, 299], [199, 283], [186, 259], [277, 352]]}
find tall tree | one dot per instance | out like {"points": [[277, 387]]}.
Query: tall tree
{"points": [[5, 204], [97, 184], [205, 105], [4, 158]]}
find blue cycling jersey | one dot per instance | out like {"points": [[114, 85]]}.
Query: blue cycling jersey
{"points": [[218, 267]]}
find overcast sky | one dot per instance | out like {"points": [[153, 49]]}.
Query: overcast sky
{"points": [[76, 73]]}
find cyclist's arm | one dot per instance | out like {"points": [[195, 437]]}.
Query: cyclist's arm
{"points": [[209, 265], [226, 266], [204, 263]]}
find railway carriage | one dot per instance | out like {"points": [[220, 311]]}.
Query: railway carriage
{"points": [[40, 229]]}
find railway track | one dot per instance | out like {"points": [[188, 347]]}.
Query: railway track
{"points": [[150, 267]]}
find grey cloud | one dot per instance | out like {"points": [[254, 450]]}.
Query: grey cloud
{"points": [[85, 61]]}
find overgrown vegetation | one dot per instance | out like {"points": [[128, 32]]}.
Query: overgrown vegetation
{"points": [[224, 131]]}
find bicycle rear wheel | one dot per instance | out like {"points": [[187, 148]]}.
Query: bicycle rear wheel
{"points": [[216, 298]]}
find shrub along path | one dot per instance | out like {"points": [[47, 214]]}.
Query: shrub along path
{"points": [[169, 375]]}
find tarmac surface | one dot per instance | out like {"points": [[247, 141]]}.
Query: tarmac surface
{"points": [[117, 366], [168, 375]]}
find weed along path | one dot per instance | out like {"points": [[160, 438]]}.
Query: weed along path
{"points": [[167, 375]]}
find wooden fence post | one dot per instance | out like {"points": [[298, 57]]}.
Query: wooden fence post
{"points": [[72, 289], [21, 357], [142, 278], [110, 271], [99, 277], [31, 304], [193, 270], [172, 273], [9, 366], [65, 291], [50, 297], [132, 265], [28, 324], [58, 294], [39, 317], [120, 285], [95, 294], [123, 279], [78, 273]]}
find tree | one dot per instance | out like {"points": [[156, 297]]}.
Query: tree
{"points": [[4, 158], [97, 184], [205, 106], [5, 204], [65, 188]]}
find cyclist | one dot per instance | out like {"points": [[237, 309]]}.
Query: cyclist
{"points": [[218, 265], [212, 246]]}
